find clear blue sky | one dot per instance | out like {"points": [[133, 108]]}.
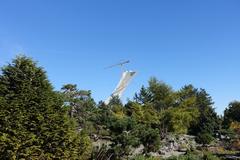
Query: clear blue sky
{"points": [[180, 42]]}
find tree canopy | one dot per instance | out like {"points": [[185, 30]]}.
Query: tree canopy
{"points": [[37, 122], [232, 113]]}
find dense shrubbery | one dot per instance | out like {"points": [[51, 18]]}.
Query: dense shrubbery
{"points": [[188, 156], [39, 123], [232, 122], [196, 156]]}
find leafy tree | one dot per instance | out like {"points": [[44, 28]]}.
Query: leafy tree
{"points": [[134, 109], [149, 137], [34, 123], [208, 120], [159, 94], [123, 136], [115, 100], [120, 127], [179, 119], [200, 113], [80, 104], [232, 123], [144, 114], [235, 126], [116, 107], [144, 96], [104, 113], [126, 125], [163, 96], [71, 95], [103, 117], [126, 133], [186, 97]]}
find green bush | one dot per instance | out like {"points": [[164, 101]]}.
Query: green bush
{"points": [[141, 157], [209, 156], [204, 138], [189, 156], [195, 156]]}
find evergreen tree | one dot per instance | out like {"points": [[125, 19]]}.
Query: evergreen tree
{"points": [[208, 122], [34, 123], [232, 113], [80, 104], [144, 96], [159, 94]]}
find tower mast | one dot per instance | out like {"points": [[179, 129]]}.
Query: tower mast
{"points": [[124, 81]]}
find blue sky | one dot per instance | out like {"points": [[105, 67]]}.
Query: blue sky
{"points": [[179, 42]]}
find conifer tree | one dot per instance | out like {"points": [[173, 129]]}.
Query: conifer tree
{"points": [[232, 113], [33, 121]]}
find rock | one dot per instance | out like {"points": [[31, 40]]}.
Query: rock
{"points": [[100, 142], [172, 153], [154, 154], [175, 145], [137, 151]]}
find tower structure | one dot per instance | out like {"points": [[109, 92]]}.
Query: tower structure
{"points": [[123, 83]]}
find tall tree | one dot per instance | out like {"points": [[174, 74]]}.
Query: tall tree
{"points": [[34, 123], [159, 94], [232, 113], [80, 104], [208, 122], [144, 96]]}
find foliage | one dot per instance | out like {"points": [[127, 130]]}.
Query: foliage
{"points": [[188, 110], [80, 104], [235, 141], [204, 138], [126, 124], [235, 126], [37, 122], [189, 156], [141, 157], [209, 156], [196, 156], [208, 122], [232, 113], [34, 125], [158, 94], [149, 137], [235, 145], [102, 153], [144, 114], [126, 133], [180, 119]]}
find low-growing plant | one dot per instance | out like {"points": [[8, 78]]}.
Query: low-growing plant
{"points": [[142, 157]]}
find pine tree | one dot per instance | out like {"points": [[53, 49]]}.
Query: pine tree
{"points": [[208, 122], [159, 94], [33, 121], [232, 113]]}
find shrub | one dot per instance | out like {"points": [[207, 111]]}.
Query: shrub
{"points": [[204, 138], [141, 157]]}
